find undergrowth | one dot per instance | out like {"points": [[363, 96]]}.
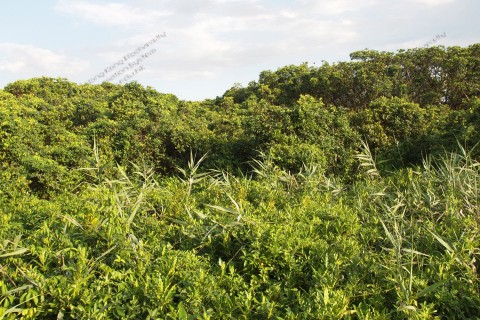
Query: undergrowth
{"points": [[271, 244]]}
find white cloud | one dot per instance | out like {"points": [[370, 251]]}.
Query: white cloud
{"points": [[111, 14], [208, 38], [244, 32], [334, 7], [432, 3], [28, 60], [211, 36]]}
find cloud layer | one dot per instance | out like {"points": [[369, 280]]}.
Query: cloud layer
{"points": [[110, 14], [24, 59]]}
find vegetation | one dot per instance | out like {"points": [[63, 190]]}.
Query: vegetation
{"points": [[345, 191]]}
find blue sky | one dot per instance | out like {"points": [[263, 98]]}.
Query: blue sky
{"points": [[211, 44]]}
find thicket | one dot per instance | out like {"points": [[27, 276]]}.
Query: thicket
{"points": [[348, 190]]}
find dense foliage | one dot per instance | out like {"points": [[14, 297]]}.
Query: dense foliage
{"points": [[349, 190]]}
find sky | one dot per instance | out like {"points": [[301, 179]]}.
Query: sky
{"points": [[197, 49]]}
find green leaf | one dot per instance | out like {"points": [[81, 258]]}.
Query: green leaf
{"points": [[28, 286], [415, 252], [182, 313], [326, 298], [389, 235], [14, 253], [229, 210], [72, 221], [443, 242], [135, 208], [406, 308], [200, 215], [431, 288]]}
